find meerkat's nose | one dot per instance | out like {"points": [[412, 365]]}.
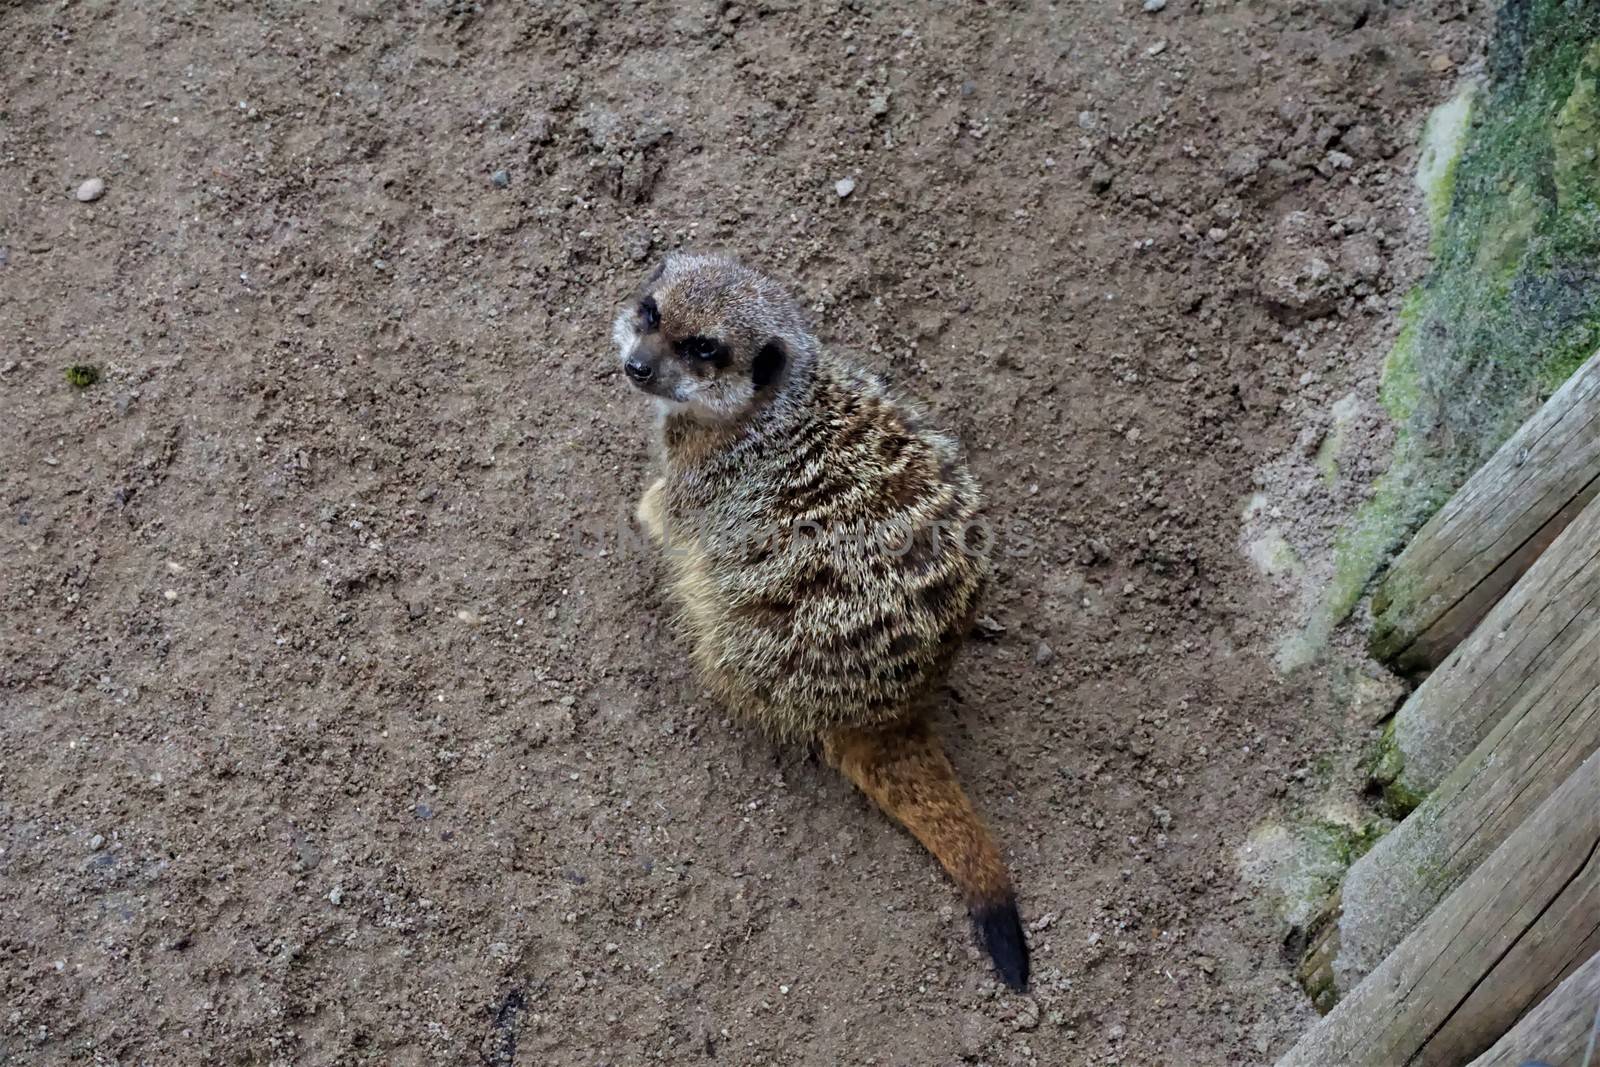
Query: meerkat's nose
{"points": [[638, 371]]}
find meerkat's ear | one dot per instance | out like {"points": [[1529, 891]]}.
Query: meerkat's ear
{"points": [[768, 363]]}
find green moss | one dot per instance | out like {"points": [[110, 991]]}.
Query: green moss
{"points": [[1385, 768], [1400, 388], [1576, 136], [1398, 801], [1571, 351], [82, 375], [1320, 987], [1507, 233], [1361, 549], [1350, 843], [1442, 138], [1386, 761]]}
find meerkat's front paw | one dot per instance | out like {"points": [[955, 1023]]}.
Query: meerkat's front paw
{"points": [[650, 513]]}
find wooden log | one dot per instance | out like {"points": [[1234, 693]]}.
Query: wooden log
{"points": [[1561, 1030], [1525, 695], [1524, 920], [1477, 546], [1490, 674]]}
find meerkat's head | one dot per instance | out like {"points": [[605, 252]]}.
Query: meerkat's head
{"points": [[711, 338]]}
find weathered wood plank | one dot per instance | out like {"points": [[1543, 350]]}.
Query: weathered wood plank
{"points": [[1513, 711], [1478, 545], [1532, 629], [1524, 920], [1559, 1030]]}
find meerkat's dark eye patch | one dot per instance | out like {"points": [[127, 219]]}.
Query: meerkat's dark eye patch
{"points": [[649, 313], [768, 364], [704, 350]]}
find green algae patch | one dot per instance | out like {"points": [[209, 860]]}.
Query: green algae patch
{"points": [[1398, 801], [1387, 762], [1511, 305], [1385, 770], [1443, 136], [82, 375], [1576, 138]]}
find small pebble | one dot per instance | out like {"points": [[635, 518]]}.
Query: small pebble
{"points": [[97, 842], [1152, 6], [91, 190], [844, 187], [501, 179], [1043, 654], [988, 627], [879, 105], [336, 896]]}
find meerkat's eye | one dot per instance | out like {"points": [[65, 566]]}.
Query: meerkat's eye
{"points": [[702, 348], [649, 313]]}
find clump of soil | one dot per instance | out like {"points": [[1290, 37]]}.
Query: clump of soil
{"points": [[342, 723]]}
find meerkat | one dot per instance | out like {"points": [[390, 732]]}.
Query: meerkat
{"points": [[819, 538]]}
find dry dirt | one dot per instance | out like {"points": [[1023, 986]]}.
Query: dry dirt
{"points": [[341, 724]]}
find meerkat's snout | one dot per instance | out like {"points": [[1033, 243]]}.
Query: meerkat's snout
{"points": [[646, 357], [638, 371], [646, 365]]}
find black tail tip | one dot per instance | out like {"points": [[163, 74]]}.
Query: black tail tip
{"points": [[1000, 927]]}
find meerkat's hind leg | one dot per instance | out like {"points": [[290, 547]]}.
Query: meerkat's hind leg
{"points": [[651, 512]]}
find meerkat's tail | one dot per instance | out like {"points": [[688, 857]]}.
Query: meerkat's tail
{"points": [[904, 770]]}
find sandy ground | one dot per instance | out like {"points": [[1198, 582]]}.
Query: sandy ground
{"points": [[342, 724]]}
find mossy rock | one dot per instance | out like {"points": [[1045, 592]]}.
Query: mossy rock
{"points": [[1511, 306]]}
